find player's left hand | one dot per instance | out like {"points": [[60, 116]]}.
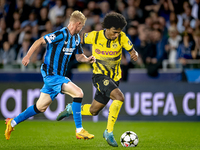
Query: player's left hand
{"points": [[25, 60], [134, 55], [92, 59]]}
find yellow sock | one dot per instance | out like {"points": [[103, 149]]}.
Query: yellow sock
{"points": [[85, 109], [113, 114]]}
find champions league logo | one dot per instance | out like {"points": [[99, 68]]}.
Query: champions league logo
{"points": [[86, 35], [52, 36], [129, 42]]}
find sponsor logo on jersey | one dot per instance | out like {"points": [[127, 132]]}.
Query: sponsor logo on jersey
{"points": [[106, 52], [68, 51]]}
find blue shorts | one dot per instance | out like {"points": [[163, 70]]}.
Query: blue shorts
{"points": [[53, 85]]}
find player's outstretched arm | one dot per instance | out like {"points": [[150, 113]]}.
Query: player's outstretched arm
{"points": [[36, 44], [83, 58], [134, 54]]}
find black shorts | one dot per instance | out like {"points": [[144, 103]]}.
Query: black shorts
{"points": [[104, 86]]}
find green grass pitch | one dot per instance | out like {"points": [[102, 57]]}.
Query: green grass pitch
{"points": [[47, 135]]}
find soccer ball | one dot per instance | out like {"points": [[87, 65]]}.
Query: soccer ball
{"points": [[129, 139]]}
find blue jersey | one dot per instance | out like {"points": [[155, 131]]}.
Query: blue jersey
{"points": [[60, 46]]}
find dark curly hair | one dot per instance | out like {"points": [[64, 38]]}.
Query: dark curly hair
{"points": [[115, 20]]}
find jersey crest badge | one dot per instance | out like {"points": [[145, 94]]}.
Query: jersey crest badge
{"points": [[114, 45], [77, 42], [106, 82]]}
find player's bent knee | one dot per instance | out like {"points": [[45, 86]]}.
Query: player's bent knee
{"points": [[117, 95], [79, 94], [40, 108], [94, 113], [120, 98]]}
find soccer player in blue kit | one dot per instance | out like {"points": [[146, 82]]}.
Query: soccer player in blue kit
{"points": [[60, 46]]}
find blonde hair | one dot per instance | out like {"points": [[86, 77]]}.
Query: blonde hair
{"points": [[77, 16], [173, 29]]}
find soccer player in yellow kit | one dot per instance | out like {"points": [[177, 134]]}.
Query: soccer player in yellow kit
{"points": [[107, 47]]}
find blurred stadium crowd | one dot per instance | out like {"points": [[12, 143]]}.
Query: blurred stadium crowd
{"points": [[162, 31]]}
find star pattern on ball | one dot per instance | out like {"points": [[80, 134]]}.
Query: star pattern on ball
{"points": [[129, 139]]}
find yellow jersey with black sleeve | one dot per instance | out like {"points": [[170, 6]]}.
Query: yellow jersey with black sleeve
{"points": [[107, 52]]}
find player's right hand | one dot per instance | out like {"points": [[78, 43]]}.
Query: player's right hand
{"points": [[25, 60], [92, 59]]}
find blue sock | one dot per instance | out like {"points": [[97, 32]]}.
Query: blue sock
{"points": [[76, 108], [29, 112]]}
